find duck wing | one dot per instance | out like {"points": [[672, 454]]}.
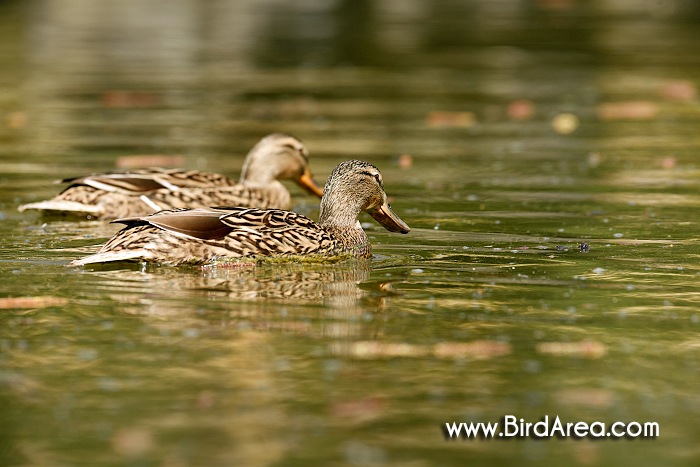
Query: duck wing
{"points": [[243, 231], [199, 223], [148, 180]]}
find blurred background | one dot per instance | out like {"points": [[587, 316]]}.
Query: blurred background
{"points": [[509, 133], [200, 77]]}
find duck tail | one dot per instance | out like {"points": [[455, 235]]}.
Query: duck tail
{"points": [[110, 257], [61, 205]]}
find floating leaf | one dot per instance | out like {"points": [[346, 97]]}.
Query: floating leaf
{"points": [[586, 396], [521, 109], [479, 350], [679, 90], [8, 303], [630, 110], [447, 119], [17, 120], [130, 99], [376, 349], [584, 349]]}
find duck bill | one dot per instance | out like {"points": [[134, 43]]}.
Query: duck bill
{"points": [[390, 221], [306, 181]]}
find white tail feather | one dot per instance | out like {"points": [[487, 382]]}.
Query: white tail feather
{"points": [[59, 205], [109, 256]]}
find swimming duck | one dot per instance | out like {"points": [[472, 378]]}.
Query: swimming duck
{"points": [[141, 192], [209, 234]]}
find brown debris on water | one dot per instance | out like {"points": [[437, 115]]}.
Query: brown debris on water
{"points": [[405, 161], [628, 110], [122, 99], [588, 397], [668, 162], [450, 119], [132, 442], [8, 303], [17, 120], [521, 109], [583, 349], [376, 349], [679, 90], [477, 350], [360, 410]]}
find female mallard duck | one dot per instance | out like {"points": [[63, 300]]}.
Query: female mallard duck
{"points": [[210, 234], [142, 192]]}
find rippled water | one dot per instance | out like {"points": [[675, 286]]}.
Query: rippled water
{"points": [[508, 134]]}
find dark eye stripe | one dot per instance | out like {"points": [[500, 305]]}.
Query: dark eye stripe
{"points": [[375, 176], [297, 149]]}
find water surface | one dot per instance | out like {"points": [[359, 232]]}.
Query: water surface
{"points": [[508, 134]]}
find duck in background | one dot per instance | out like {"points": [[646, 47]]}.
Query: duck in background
{"points": [[134, 193]]}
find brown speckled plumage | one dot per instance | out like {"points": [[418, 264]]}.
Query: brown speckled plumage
{"points": [[208, 234], [142, 192]]}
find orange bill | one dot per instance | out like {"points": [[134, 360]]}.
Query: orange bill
{"points": [[306, 181], [390, 221]]}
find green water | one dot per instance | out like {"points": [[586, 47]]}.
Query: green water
{"points": [[487, 308]]}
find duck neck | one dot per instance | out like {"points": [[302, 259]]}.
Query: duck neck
{"points": [[258, 173], [341, 215]]}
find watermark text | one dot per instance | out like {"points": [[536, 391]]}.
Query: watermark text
{"points": [[511, 426]]}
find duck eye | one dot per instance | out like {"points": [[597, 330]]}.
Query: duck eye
{"points": [[378, 178], [297, 149]]}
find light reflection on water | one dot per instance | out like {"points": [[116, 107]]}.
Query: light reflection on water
{"points": [[486, 308]]}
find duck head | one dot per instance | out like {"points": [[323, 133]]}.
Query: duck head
{"points": [[355, 186], [279, 156]]}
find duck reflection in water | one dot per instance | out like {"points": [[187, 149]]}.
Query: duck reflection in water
{"points": [[257, 294]]}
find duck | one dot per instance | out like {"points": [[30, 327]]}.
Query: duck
{"points": [[112, 195], [206, 235]]}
